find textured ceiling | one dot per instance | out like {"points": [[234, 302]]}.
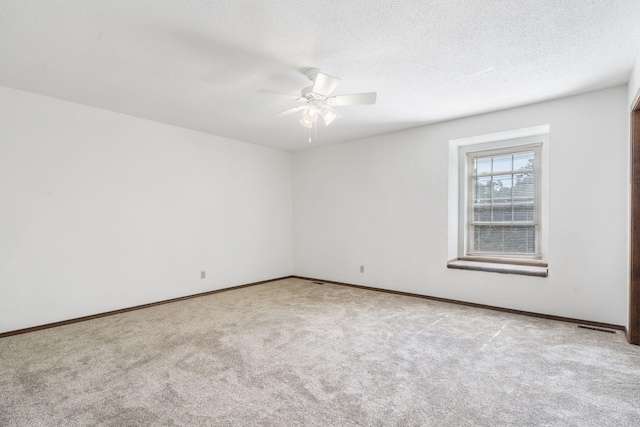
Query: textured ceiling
{"points": [[198, 64]]}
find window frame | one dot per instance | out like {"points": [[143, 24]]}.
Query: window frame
{"points": [[540, 141], [472, 223]]}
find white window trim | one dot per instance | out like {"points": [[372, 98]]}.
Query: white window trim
{"points": [[458, 197]]}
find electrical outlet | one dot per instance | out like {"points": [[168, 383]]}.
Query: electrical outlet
{"points": [[362, 269], [203, 274]]}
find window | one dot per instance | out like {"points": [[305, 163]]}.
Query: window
{"points": [[498, 210], [504, 202]]}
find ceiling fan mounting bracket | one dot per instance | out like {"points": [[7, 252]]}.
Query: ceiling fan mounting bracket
{"points": [[311, 73]]}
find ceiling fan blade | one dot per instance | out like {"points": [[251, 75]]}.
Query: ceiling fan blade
{"points": [[290, 111], [280, 94], [324, 84], [353, 99]]}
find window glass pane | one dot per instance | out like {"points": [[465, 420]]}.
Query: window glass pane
{"points": [[482, 190], [482, 213], [523, 161], [482, 165], [520, 240], [523, 213], [502, 188], [506, 240], [524, 188], [502, 163], [502, 213]]}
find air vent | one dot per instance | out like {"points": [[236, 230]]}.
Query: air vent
{"points": [[317, 283], [594, 328]]}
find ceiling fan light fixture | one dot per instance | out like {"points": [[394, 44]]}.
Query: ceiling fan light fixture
{"points": [[309, 115], [306, 123], [328, 116]]}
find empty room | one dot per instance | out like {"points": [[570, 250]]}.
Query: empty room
{"points": [[232, 213]]}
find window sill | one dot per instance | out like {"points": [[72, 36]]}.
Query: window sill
{"points": [[541, 270]]}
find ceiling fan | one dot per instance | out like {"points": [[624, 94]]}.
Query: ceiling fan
{"points": [[317, 99]]}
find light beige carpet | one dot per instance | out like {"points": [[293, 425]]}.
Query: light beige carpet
{"points": [[291, 353]]}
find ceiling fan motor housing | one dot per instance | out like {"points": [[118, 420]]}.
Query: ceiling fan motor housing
{"points": [[307, 92]]}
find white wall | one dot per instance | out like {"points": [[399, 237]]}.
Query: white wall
{"points": [[101, 211], [381, 202]]}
